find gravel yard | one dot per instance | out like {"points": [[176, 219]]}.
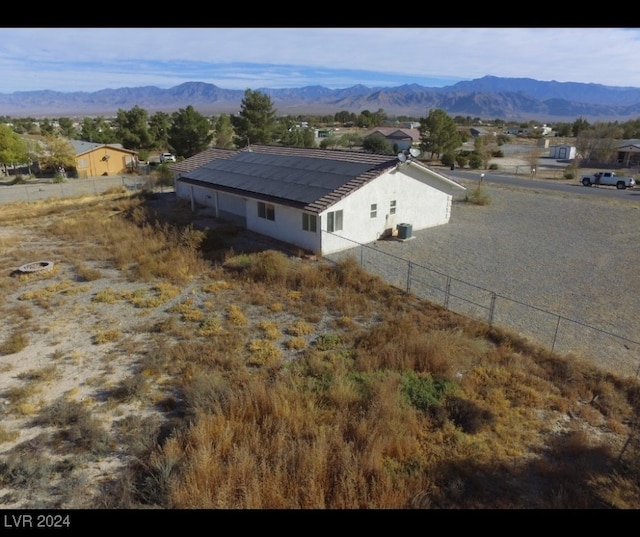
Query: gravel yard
{"points": [[563, 268]]}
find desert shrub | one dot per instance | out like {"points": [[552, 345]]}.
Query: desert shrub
{"points": [[424, 391], [17, 341], [107, 336], [570, 172], [448, 159], [462, 160], [269, 267], [493, 166], [263, 352], [328, 342], [478, 196], [475, 161], [497, 154]]}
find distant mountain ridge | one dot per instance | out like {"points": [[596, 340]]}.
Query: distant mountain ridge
{"points": [[489, 97]]}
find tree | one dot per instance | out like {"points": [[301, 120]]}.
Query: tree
{"points": [[579, 125], [189, 133], [563, 129], [67, 128], [132, 128], [58, 153], [438, 134], [482, 148], [159, 124], [97, 130], [377, 143], [223, 132], [46, 127], [256, 122], [598, 142], [351, 140], [13, 150]]}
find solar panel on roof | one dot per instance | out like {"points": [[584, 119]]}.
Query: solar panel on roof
{"points": [[292, 177]]}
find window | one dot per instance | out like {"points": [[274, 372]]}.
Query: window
{"points": [[309, 222], [374, 210], [266, 210], [334, 221], [392, 207]]}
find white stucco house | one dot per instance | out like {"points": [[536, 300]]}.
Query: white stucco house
{"points": [[322, 201]]}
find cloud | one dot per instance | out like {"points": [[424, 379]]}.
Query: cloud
{"points": [[89, 59]]}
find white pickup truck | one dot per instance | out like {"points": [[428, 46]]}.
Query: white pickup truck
{"points": [[608, 178]]}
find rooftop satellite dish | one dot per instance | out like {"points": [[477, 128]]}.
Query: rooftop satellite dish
{"points": [[414, 152], [402, 157]]}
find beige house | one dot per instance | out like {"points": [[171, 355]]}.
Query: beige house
{"points": [[399, 139], [93, 160]]}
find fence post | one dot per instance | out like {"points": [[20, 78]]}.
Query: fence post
{"points": [[447, 291], [492, 308], [409, 277], [555, 335], [361, 256]]}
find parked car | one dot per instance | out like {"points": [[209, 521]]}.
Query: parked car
{"points": [[167, 157]]}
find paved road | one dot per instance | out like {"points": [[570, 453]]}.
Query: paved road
{"points": [[568, 187]]}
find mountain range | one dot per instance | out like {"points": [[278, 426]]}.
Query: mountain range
{"points": [[489, 97]]}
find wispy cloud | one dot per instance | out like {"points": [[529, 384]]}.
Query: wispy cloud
{"points": [[90, 59]]}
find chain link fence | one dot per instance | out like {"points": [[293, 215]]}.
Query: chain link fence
{"points": [[559, 333], [41, 190]]}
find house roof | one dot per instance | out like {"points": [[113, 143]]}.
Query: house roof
{"points": [[80, 147], [310, 179], [631, 145], [200, 159], [395, 133]]}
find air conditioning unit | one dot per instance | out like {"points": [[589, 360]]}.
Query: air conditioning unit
{"points": [[404, 231]]}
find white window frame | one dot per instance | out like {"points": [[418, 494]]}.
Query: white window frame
{"points": [[309, 222], [335, 221], [266, 211]]}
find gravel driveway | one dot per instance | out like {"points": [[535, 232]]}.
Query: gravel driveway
{"points": [[564, 269]]}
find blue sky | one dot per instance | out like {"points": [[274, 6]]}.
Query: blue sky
{"points": [[91, 59]]}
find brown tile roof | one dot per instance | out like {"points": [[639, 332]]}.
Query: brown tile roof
{"points": [[303, 181], [397, 133], [201, 158]]}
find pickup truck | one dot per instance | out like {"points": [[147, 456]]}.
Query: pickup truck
{"points": [[608, 178]]}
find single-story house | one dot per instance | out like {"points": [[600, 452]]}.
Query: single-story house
{"points": [[628, 153], [562, 152], [322, 201], [94, 159], [479, 131], [400, 139]]}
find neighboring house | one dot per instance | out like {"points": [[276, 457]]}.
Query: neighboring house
{"points": [[479, 131], [400, 139], [562, 152], [322, 201], [93, 160], [628, 153]]}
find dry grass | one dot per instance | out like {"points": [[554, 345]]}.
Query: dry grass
{"points": [[259, 380]]}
